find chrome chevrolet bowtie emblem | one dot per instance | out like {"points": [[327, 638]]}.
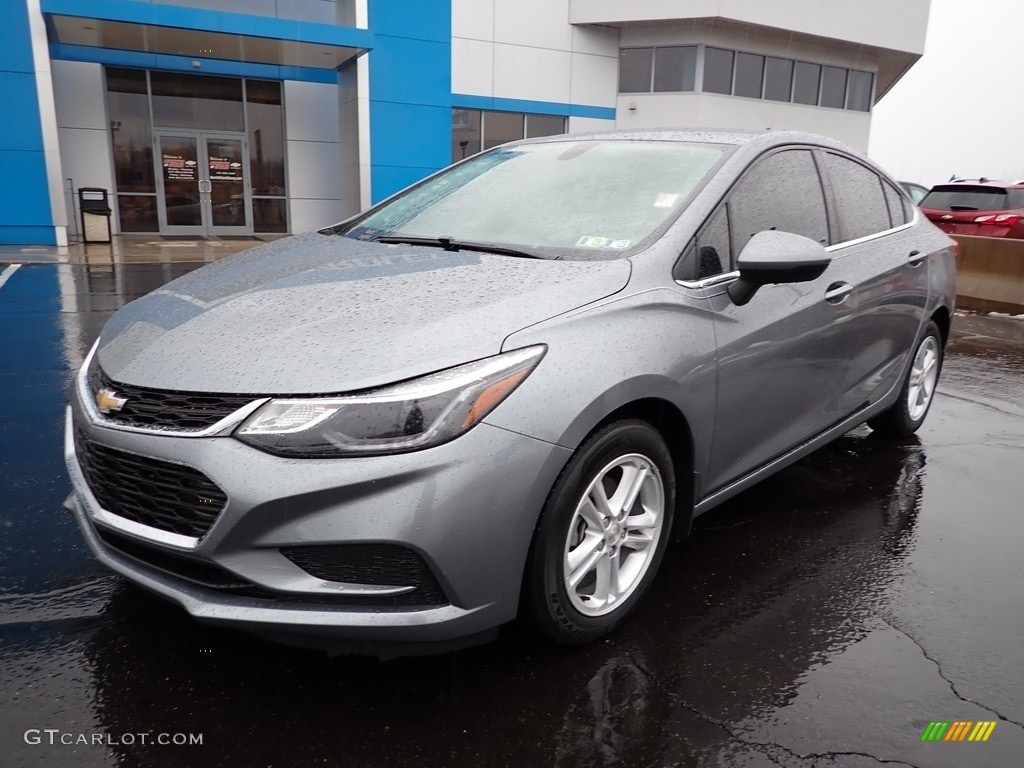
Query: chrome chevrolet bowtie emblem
{"points": [[107, 401]]}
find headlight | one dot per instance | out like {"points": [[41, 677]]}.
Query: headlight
{"points": [[405, 417]]}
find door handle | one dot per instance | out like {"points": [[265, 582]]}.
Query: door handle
{"points": [[205, 186], [916, 258], [837, 292]]}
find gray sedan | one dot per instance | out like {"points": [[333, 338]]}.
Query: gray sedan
{"points": [[501, 391]]}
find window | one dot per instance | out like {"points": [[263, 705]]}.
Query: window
{"points": [[781, 192], [858, 93], [897, 214], [266, 155], [778, 79], [635, 70], [501, 128], [465, 133], [749, 75], [718, 70], [675, 69], [858, 191], [833, 87], [474, 130], [806, 80], [542, 125]]}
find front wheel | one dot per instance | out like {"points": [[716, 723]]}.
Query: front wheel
{"points": [[908, 412], [602, 534]]}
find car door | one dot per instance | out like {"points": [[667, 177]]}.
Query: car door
{"points": [[782, 358], [885, 272]]}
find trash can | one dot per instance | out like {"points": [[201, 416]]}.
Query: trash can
{"points": [[95, 209]]}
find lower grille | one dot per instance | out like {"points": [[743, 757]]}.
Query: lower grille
{"points": [[379, 564], [160, 494], [211, 576]]}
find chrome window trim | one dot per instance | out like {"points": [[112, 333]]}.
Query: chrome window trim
{"points": [[709, 282], [876, 235], [223, 427]]}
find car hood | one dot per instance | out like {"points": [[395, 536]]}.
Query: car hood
{"points": [[320, 313]]}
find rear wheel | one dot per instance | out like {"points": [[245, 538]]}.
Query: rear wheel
{"points": [[602, 534], [908, 412]]}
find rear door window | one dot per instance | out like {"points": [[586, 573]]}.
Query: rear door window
{"points": [[860, 198], [897, 213]]}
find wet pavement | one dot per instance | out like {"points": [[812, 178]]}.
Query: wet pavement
{"points": [[821, 619]]}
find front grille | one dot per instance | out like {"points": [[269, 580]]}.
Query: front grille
{"points": [[380, 564], [165, 408], [214, 577], [171, 497]]}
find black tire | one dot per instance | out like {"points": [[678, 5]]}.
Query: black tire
{"points": [[906, 415], [630, 544]]}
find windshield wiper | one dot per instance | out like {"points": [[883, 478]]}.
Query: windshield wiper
{"points": [[451, 244]]}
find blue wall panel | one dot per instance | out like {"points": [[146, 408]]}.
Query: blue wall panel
{"points": [[410, 92], [25, 196]]}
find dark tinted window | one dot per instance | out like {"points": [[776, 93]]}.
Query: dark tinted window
{"points": [[781, 192], [778, 79], [675, 69], [964, 197], [635, 70], [749, 75], [713, 254], [833, 87], [806, 78], [859, 196], [717, 70], [542, 125], [858, 95], [502, 127], [895, 200]]}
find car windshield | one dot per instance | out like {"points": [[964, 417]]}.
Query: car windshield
{"points": [[565, 199], [966, 198]]}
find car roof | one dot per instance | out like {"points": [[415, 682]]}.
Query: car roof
{"points": [[982, 182], [734, 136]]}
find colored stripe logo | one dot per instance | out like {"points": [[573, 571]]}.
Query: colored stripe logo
{"points": [[958, 730]]}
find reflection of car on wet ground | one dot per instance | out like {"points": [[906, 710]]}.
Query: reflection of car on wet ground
{"points": [[981, 207], [471, 399]]}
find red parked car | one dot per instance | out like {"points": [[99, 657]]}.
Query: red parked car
{"points": [[979, 207]]}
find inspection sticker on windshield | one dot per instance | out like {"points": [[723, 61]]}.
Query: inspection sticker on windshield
{"points": [[665, 200], [593, 242]]}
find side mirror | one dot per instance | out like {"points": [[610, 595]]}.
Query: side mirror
{"points": [[776, 257]]}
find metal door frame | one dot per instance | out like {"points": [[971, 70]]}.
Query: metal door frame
{"points": [[206, 226]]}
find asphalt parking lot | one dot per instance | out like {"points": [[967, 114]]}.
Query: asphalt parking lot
{"points": [[823, 618]]}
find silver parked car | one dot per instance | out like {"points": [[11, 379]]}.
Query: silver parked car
{"points": [[501, 390]]}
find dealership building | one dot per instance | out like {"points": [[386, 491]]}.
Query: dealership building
{"points": [[249, 117]]}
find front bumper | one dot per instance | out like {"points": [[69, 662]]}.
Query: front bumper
{"points": [[467, 508]]}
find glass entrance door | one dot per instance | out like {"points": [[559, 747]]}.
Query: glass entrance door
{"points": [[203, 185]]}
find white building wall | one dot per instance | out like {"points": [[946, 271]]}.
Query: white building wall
{"points": [[82, 131], [526, 49], [313, 155], [659, 110], [709, 110], [899, 26]]}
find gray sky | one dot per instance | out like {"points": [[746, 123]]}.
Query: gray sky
{"points": [[959, 109]]}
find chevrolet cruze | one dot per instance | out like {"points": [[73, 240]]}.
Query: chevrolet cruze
{"points": [[501, 391]]}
